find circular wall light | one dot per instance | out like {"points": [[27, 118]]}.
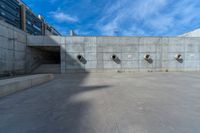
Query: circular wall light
{"points": [[178, 57], [79, 57], [114, 57], [147, 57]]}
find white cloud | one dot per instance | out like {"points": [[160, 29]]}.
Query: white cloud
{"points": [[150, 17], [60, 16], [147, 8]]}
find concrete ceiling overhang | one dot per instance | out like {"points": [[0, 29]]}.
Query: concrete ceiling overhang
{"points": [[49, 41]]}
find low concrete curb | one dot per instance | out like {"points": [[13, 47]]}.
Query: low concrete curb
{"points": [[9, 86]]}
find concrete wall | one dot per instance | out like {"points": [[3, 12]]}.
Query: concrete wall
{"points": [[97, 52], [17, 58], [12, 50]]}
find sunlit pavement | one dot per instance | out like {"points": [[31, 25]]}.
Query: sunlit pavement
{"points": [[106, 103]]}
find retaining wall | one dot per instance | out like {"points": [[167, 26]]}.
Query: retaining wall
{"points": [[130, 51], [15, 57], [12, 50]]}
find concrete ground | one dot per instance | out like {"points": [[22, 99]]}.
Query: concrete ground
{"points": [[106, 103]]}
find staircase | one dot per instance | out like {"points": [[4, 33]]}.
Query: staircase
{"points": [[47, 68]]}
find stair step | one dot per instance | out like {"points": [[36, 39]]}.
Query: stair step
{"points": [[47, 68]]}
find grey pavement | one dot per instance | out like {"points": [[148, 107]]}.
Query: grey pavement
{"points": [[106, 103]]}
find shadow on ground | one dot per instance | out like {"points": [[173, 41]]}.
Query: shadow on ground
{"points": [[49, 108]]}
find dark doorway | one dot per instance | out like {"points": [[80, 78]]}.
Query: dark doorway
{"points": [[45, 59]]}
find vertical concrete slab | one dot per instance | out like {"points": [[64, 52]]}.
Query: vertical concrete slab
{"points": [[12, 50], [164, 42], [63, 57]]}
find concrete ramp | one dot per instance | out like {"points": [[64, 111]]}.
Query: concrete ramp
{"points": [[9, 86]]}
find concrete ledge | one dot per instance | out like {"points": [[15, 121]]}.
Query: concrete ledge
{"points": [[9, 86]]}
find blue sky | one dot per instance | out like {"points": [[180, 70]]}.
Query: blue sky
{"points": [[120, 17]]}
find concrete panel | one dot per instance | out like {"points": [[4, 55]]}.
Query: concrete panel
{"points": [[3, 54], [192, 47], [147, 48], [20, 36], [108, 49], [108, 41], [2, 66], [192, 56], [35, 40], [10, 44], [117, 40], [80, 40], [19, 56], [175, 65], [129, 56], [90, 41], [20, 47], [52, 40], [20, 65], [143, 64], [63, 51], [176, 45], [75, 48], [111, 64], [130, 48], [3, 31], [90, 56], [150, 40], [12, 50], [130, 64], [62, 40], [10, 64], [91, 64], [4, 42], [73, 64], [192, 65], [11, 33], [90, 48]]}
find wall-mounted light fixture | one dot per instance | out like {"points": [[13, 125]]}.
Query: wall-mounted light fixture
{"points": [[148, 58], [179, 58], [115, 59], [81, 59]]}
